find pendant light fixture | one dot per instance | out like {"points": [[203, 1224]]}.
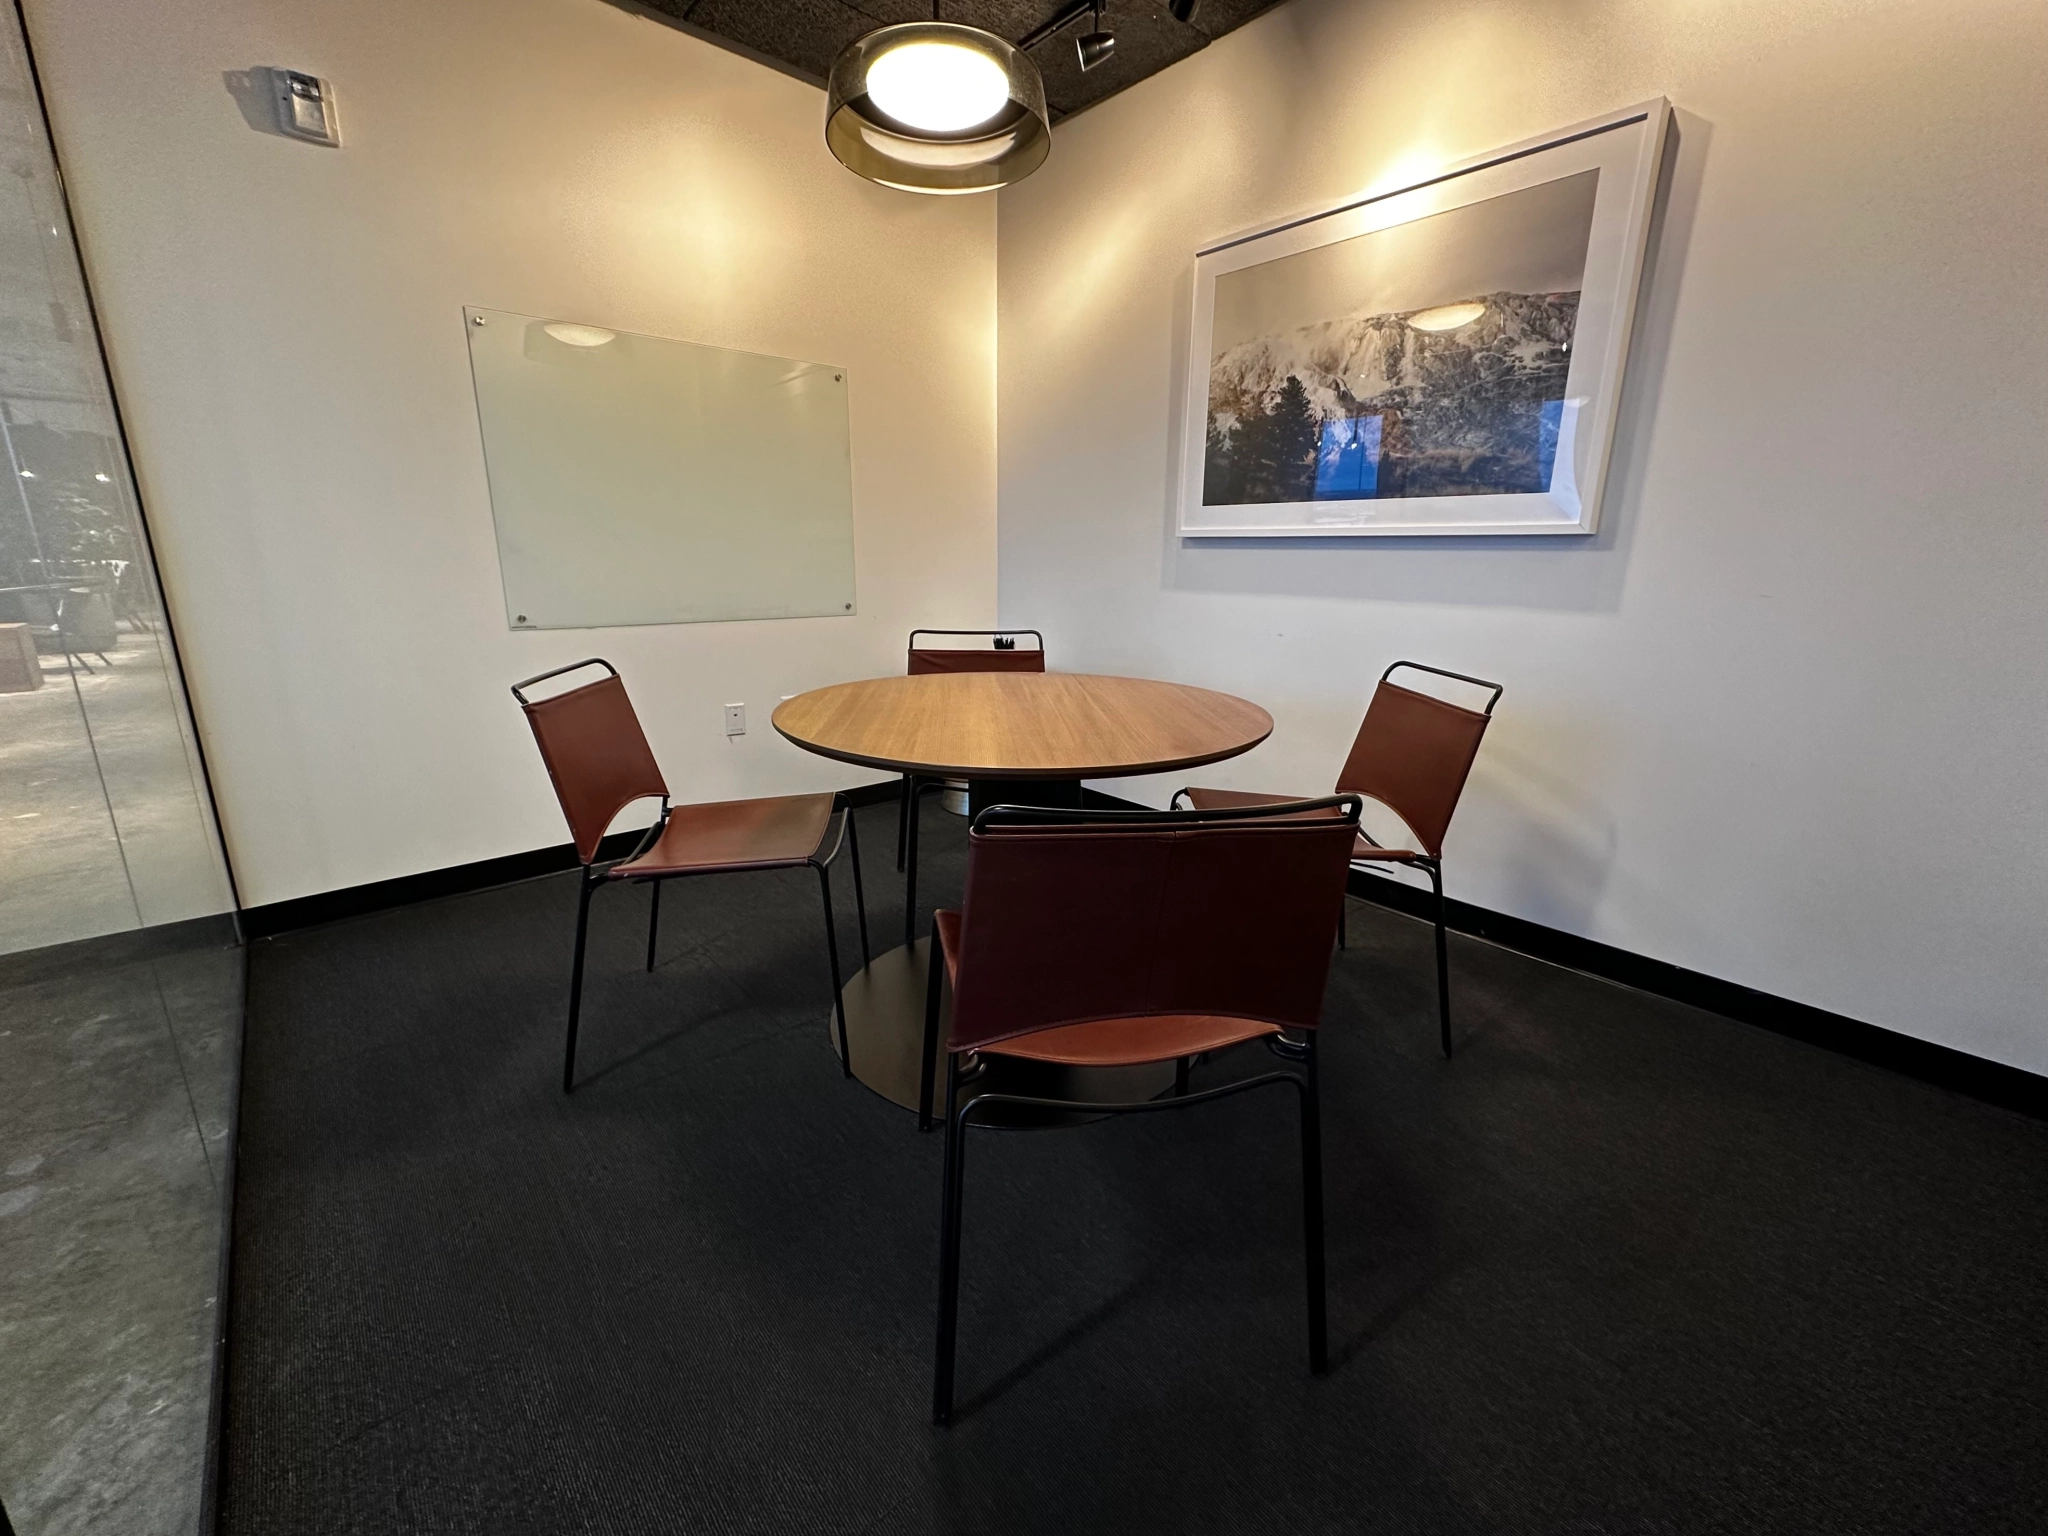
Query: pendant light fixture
{"points": [[934, 106]]}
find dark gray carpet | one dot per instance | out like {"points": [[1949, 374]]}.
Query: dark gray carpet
{"points": [[1621, 1266]]}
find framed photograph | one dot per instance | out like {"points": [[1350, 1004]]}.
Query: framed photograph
{"points": [[1444, 358]]}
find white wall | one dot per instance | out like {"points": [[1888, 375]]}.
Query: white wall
{"points": [[286, 329], [1782, 721]]}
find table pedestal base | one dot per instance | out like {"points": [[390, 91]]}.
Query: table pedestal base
{"points": [[885, 1034]]}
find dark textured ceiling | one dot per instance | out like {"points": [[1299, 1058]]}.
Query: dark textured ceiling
{"points": [[805, 35]]}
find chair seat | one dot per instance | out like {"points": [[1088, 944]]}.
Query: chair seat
{"points": [[734, 834], [1122, 1042], [1364, 850], [1131, 1042]]}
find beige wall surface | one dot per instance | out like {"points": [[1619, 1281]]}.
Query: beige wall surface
{"points": [[285, 323], [1782, 720]]}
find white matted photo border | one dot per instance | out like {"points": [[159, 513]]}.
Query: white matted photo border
{"points": [[1626, 147]]}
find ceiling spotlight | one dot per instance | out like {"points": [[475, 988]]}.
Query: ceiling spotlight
{"points": [[932, 106], [1093, 47]]}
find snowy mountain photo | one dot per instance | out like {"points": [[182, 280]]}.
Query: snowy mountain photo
{"points": [[1425, 359], [1402, 404]]}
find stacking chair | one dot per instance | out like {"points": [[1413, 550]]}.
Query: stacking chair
{"points": [[1413, 754], [1119, 938], [600, 763], [1002, 654]]}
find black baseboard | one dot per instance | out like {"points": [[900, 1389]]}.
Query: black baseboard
{"points": [[1958, 1071], [277, 917], [54, 961], [1992, 1082]]}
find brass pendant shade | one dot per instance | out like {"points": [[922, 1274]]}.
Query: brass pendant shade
{"points": [[932, 106]]}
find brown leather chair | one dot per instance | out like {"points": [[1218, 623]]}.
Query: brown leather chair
{"points": [[600, 763], [1119, 938], [1413, 754], [1002, 654]]}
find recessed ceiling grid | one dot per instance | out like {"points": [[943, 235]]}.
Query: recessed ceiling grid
{"points": [[805, 35]]}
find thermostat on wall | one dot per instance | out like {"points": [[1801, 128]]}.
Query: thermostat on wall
{"points": [[305, 107]]}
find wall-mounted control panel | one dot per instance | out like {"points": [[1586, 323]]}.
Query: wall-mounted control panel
{"points": [[735, 719], [305, 107]]}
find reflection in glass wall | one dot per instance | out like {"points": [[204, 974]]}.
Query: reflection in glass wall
{"points": [[104, 819], [116, 1079]]}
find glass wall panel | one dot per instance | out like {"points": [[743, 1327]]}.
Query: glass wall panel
{"points": [[104, 819]]}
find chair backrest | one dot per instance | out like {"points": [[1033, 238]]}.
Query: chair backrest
{"points": [[1001, 658], [596, 752], [1100, 915], [1414, 752]]}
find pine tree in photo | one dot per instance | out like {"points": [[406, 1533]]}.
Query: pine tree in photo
{"points": [[1294, 430]]}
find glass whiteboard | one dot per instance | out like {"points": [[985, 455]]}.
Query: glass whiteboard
{"points": [[638, 480]]}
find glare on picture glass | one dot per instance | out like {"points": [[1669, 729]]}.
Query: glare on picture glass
{"points": [[938, 87], [1446, 317]]}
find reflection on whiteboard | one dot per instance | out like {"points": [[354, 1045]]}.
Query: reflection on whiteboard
{"points": [[638, 480]]}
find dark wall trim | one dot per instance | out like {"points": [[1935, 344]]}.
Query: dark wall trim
{"points": [[55, 962], [329, 906], [1958, 1071], [1991, 1081]]}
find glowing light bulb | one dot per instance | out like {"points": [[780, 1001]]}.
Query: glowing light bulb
{"points": [[938, 87], [579, 335], [1447, 317]]}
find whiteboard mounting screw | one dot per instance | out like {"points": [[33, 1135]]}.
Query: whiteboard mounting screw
{"points": [[476, 319]]}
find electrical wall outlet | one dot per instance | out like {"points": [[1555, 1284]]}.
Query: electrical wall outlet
{"points": [[735, 719]]}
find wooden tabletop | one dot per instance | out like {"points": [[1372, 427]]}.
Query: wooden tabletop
{"points": [[1022, 725]]}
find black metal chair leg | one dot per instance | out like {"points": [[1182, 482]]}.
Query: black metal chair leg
{"points": [[949, 1248], [927, 1068], [1312, 1214], [860, 895], [1343, 911], [910, 869], [587, 888], [1180, 1076], [1443, 963], [653, 920], [832, 954], [904, 801]]}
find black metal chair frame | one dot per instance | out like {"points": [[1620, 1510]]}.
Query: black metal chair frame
{"points": [[1430, 866], [960, 1113], [598, 872], [910, 796]]}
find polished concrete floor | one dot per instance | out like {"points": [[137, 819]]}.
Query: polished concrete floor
{"points": [[116, 1086], [102, 827]]}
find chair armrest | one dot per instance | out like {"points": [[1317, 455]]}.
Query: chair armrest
{"points": [[1363, 852], [1231, 799]]}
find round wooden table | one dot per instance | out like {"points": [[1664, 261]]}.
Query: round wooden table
{"points": [[1016, 738]]}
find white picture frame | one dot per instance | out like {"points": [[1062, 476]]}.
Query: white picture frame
{"points": [[1424, 423]]}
